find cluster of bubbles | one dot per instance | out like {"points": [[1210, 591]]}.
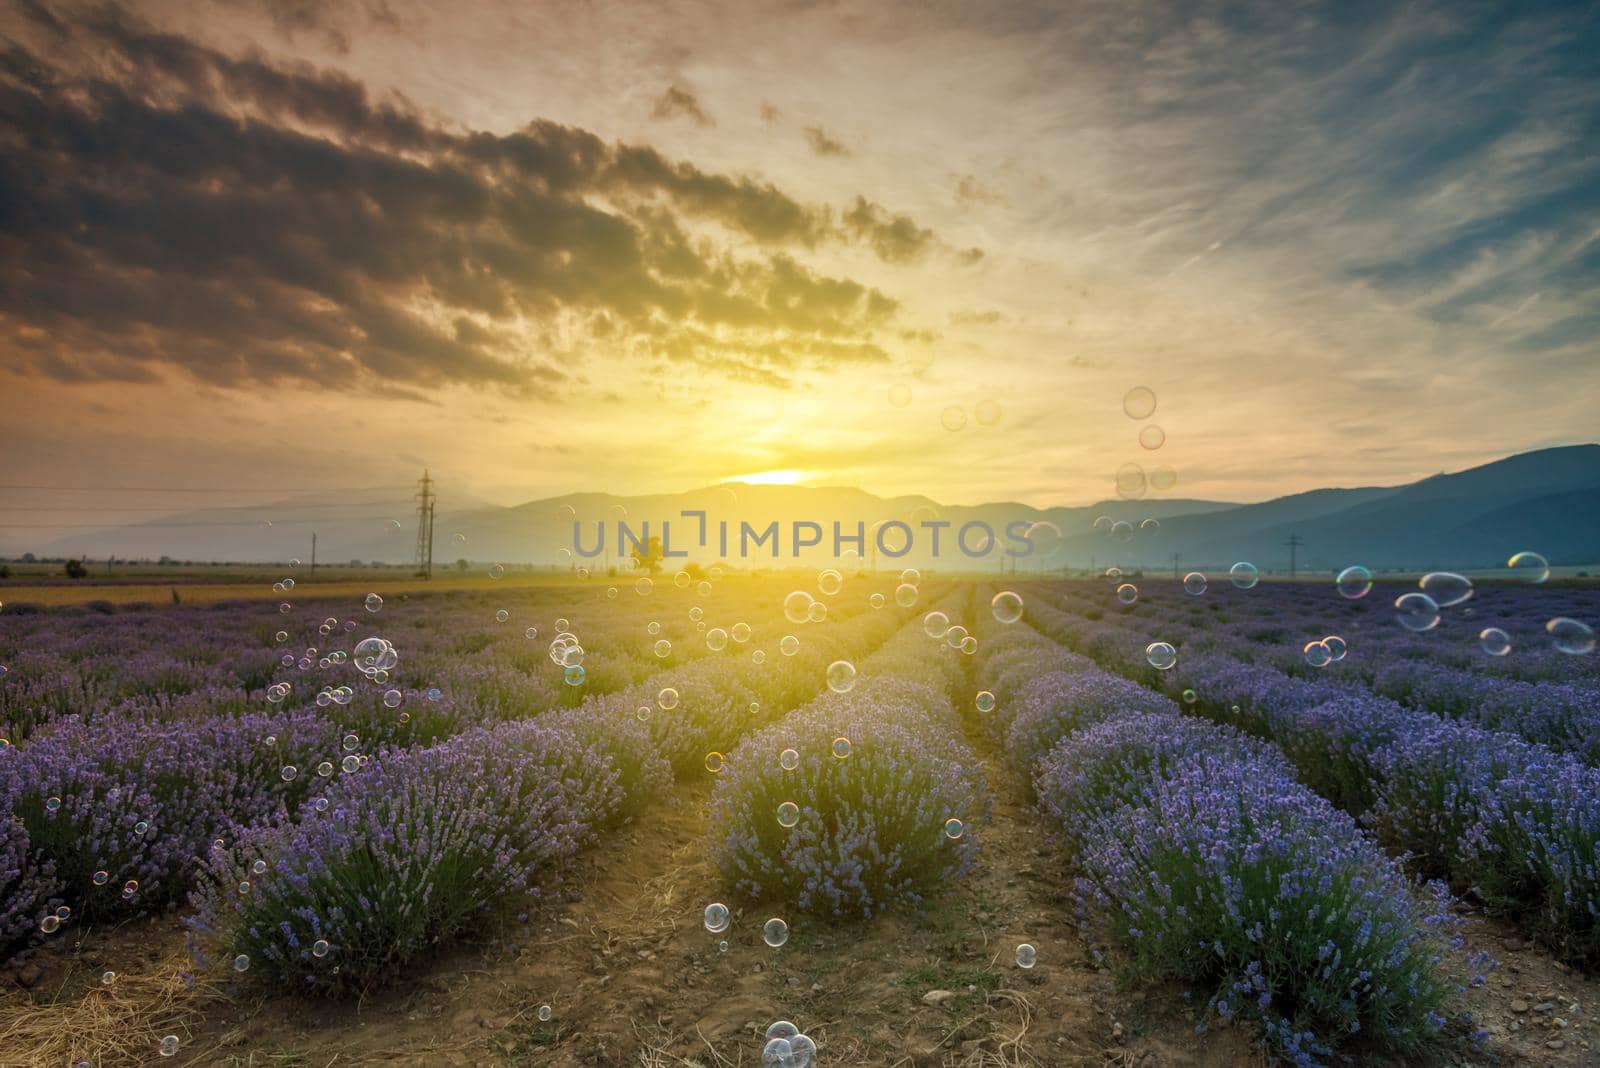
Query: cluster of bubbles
{"points": [[937, 626], [787, 1047], [907, 592], [567, 653], [1120, 530], [1325, 651], [375, 657], [800, 607]]}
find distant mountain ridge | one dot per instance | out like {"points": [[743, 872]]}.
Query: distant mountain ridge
{"points": [[1547, 501]]}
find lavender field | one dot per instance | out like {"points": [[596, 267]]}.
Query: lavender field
{"points": [[929, 820]]}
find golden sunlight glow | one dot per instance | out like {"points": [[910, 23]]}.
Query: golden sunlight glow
{"points": [[786, 477]]}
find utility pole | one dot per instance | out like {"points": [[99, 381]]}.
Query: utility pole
{"points": [[1294, 544], [313, 554], [425, 501], [1175, 559]]}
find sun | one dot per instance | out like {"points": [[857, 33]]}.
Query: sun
{"points": [[785, 477]]}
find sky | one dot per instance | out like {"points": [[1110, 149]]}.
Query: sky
{"points": [[252, 248]]}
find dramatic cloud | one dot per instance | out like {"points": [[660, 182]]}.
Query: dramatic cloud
{"points": [[678, 101], [165, 204]]}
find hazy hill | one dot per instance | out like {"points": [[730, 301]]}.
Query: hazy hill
{"points": [[1548, 501]]}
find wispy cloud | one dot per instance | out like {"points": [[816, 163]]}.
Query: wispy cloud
{"points": [[677, 101]]}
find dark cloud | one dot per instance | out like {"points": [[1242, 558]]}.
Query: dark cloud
{"points": [[677, 102], [823, 145], [895, 238], [329, 23], [165, 205]]}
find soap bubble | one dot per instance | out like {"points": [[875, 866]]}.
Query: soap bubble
{"points": [[1151, 525], [1417, 611], [985, 701], [1446, 588], [1131, 482], [716, 639], [497, 571], [716, 917], [667, 698], [905, 595], [50, 924], [288, 773], [775, 932], [1336, 646], [830, 582], [573, 674], [953, 418], [1244, 575], [1529, 567], [817, 612], [1006, 606], [788, 814], [374, 602], [969, 645], [545, 1013], [1354, 582], [1494, 641], [741, 632], [841, 748], [1027, 956], [320, 948], [1571, 636], [714, 762], [899, 394], [877, 600], [663, 648], [1194, 584], [936, 624], [986, 412], [788, 645], [1163, 478], [954, 828], [789, 759], [1152, 437], [1161, 655], [1122, 531], [777, 1053], [702, 588], [1127, 593], [797, 606], [241, 963], [393, 698], [1139, 402], [1317, 654], [169, 1046]]}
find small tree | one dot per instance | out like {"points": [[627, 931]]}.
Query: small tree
{"points": [[648, 556], [75, 569], [462, 565]]}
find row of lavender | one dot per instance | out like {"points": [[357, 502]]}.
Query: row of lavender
{"points": [[862, 798], [179, 663], [1383, 657], [1509, 821], [1556, 701], [1201, 859], [118, 814]]}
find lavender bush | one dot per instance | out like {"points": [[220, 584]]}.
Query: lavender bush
{"points": [[417, 848]]}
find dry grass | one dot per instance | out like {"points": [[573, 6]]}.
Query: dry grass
{"points": [[118, 1024]]}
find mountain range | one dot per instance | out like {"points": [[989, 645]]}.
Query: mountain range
{"points": [[1547, 501]]}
